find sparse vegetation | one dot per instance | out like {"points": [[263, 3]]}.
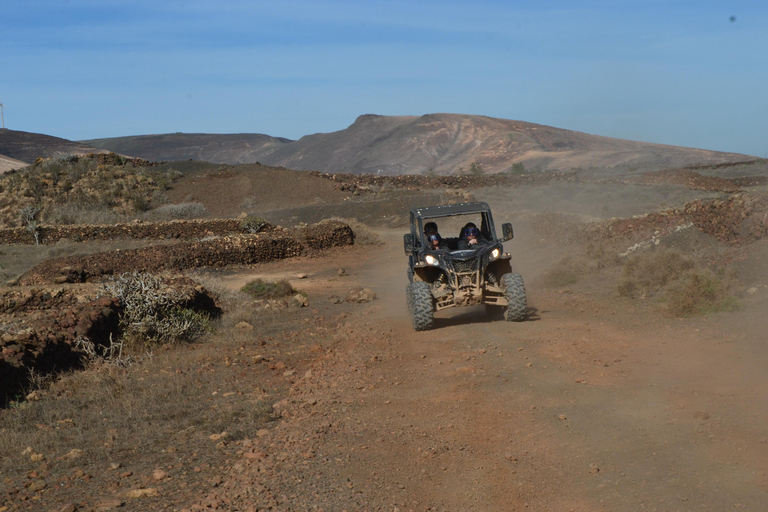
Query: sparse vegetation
{"points": [[475, 169], [570, 269], [179, 211], [518, 168], [701, 291], [253, 224], [63, 188], [153, 313], [29, 219], [648, 272], [682, 284], [260, 289]]}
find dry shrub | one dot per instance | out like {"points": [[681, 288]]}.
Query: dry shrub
{"points": [[178, 211], [72, 213], [570, 269], [254, 224], [260, 289], [648, 272], [684, 285], [114, 413], [153, 313], [363, 234], [699, 292]]}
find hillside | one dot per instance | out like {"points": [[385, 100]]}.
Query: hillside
{"points": [[325, 398], [238, 148], [441, 143], [6, 164], [26, 147]]}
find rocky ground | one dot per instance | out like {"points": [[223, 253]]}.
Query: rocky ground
{"points": [[596, 403]]}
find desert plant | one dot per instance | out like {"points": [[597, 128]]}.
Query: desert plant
{"points": [[253, 224], [261, 289], [573, 267], [518, 168], [180, 211], [154, 313], [29, 213], [648, 272], [110, 354], [29, 218], [700, 291], [78, 213], [140, 202], [475, 169]]}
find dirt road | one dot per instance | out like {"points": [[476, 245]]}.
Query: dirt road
{"points": [[593, 404]]}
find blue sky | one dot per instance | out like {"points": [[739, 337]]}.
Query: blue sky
{"points": [[687, 73]]}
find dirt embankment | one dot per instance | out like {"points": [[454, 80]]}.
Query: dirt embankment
{"points": [[736, 220], [40, 325], [213, 253]]}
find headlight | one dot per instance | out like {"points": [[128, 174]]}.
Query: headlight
{"points": [[431, 260], [495, 253]]}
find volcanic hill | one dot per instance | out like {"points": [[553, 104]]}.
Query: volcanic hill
{"points": [[24, 147], [433, 143]]}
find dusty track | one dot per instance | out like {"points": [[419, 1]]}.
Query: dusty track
{"points": [[591, 405]]}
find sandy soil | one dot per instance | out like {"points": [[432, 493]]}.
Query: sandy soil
{"points": [[593, 404], [596, 403]]}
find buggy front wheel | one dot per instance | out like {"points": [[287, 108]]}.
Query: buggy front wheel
{"points": [[420, 305], [514, 291]]}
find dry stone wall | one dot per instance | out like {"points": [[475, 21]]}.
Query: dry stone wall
{"points": [[213, 253], [184, 229]]}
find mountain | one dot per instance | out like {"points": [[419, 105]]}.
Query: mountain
{"points": [[443, 143], [26, 147], [239, 148]]}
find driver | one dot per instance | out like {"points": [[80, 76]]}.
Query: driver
{"points": [[470, 237]]}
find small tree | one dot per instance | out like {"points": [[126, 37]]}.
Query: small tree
{"points": [[475, 169], [28, 216], [518, 168]]}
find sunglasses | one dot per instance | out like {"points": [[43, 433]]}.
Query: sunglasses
{"points": [[471, 231]]}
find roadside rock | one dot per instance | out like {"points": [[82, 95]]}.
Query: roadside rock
{"points": [[359, 294]]}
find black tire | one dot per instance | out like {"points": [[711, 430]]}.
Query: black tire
{"points": [[421, 305], [514, 290], [409, 298]]}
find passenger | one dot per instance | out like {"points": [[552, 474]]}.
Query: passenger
{"points": [[469, 238], [433, 238]]}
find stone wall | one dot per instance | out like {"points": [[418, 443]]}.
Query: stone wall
{"points": [[186, 229]]}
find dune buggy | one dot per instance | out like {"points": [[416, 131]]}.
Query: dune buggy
{"points": [[455, 273]]}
